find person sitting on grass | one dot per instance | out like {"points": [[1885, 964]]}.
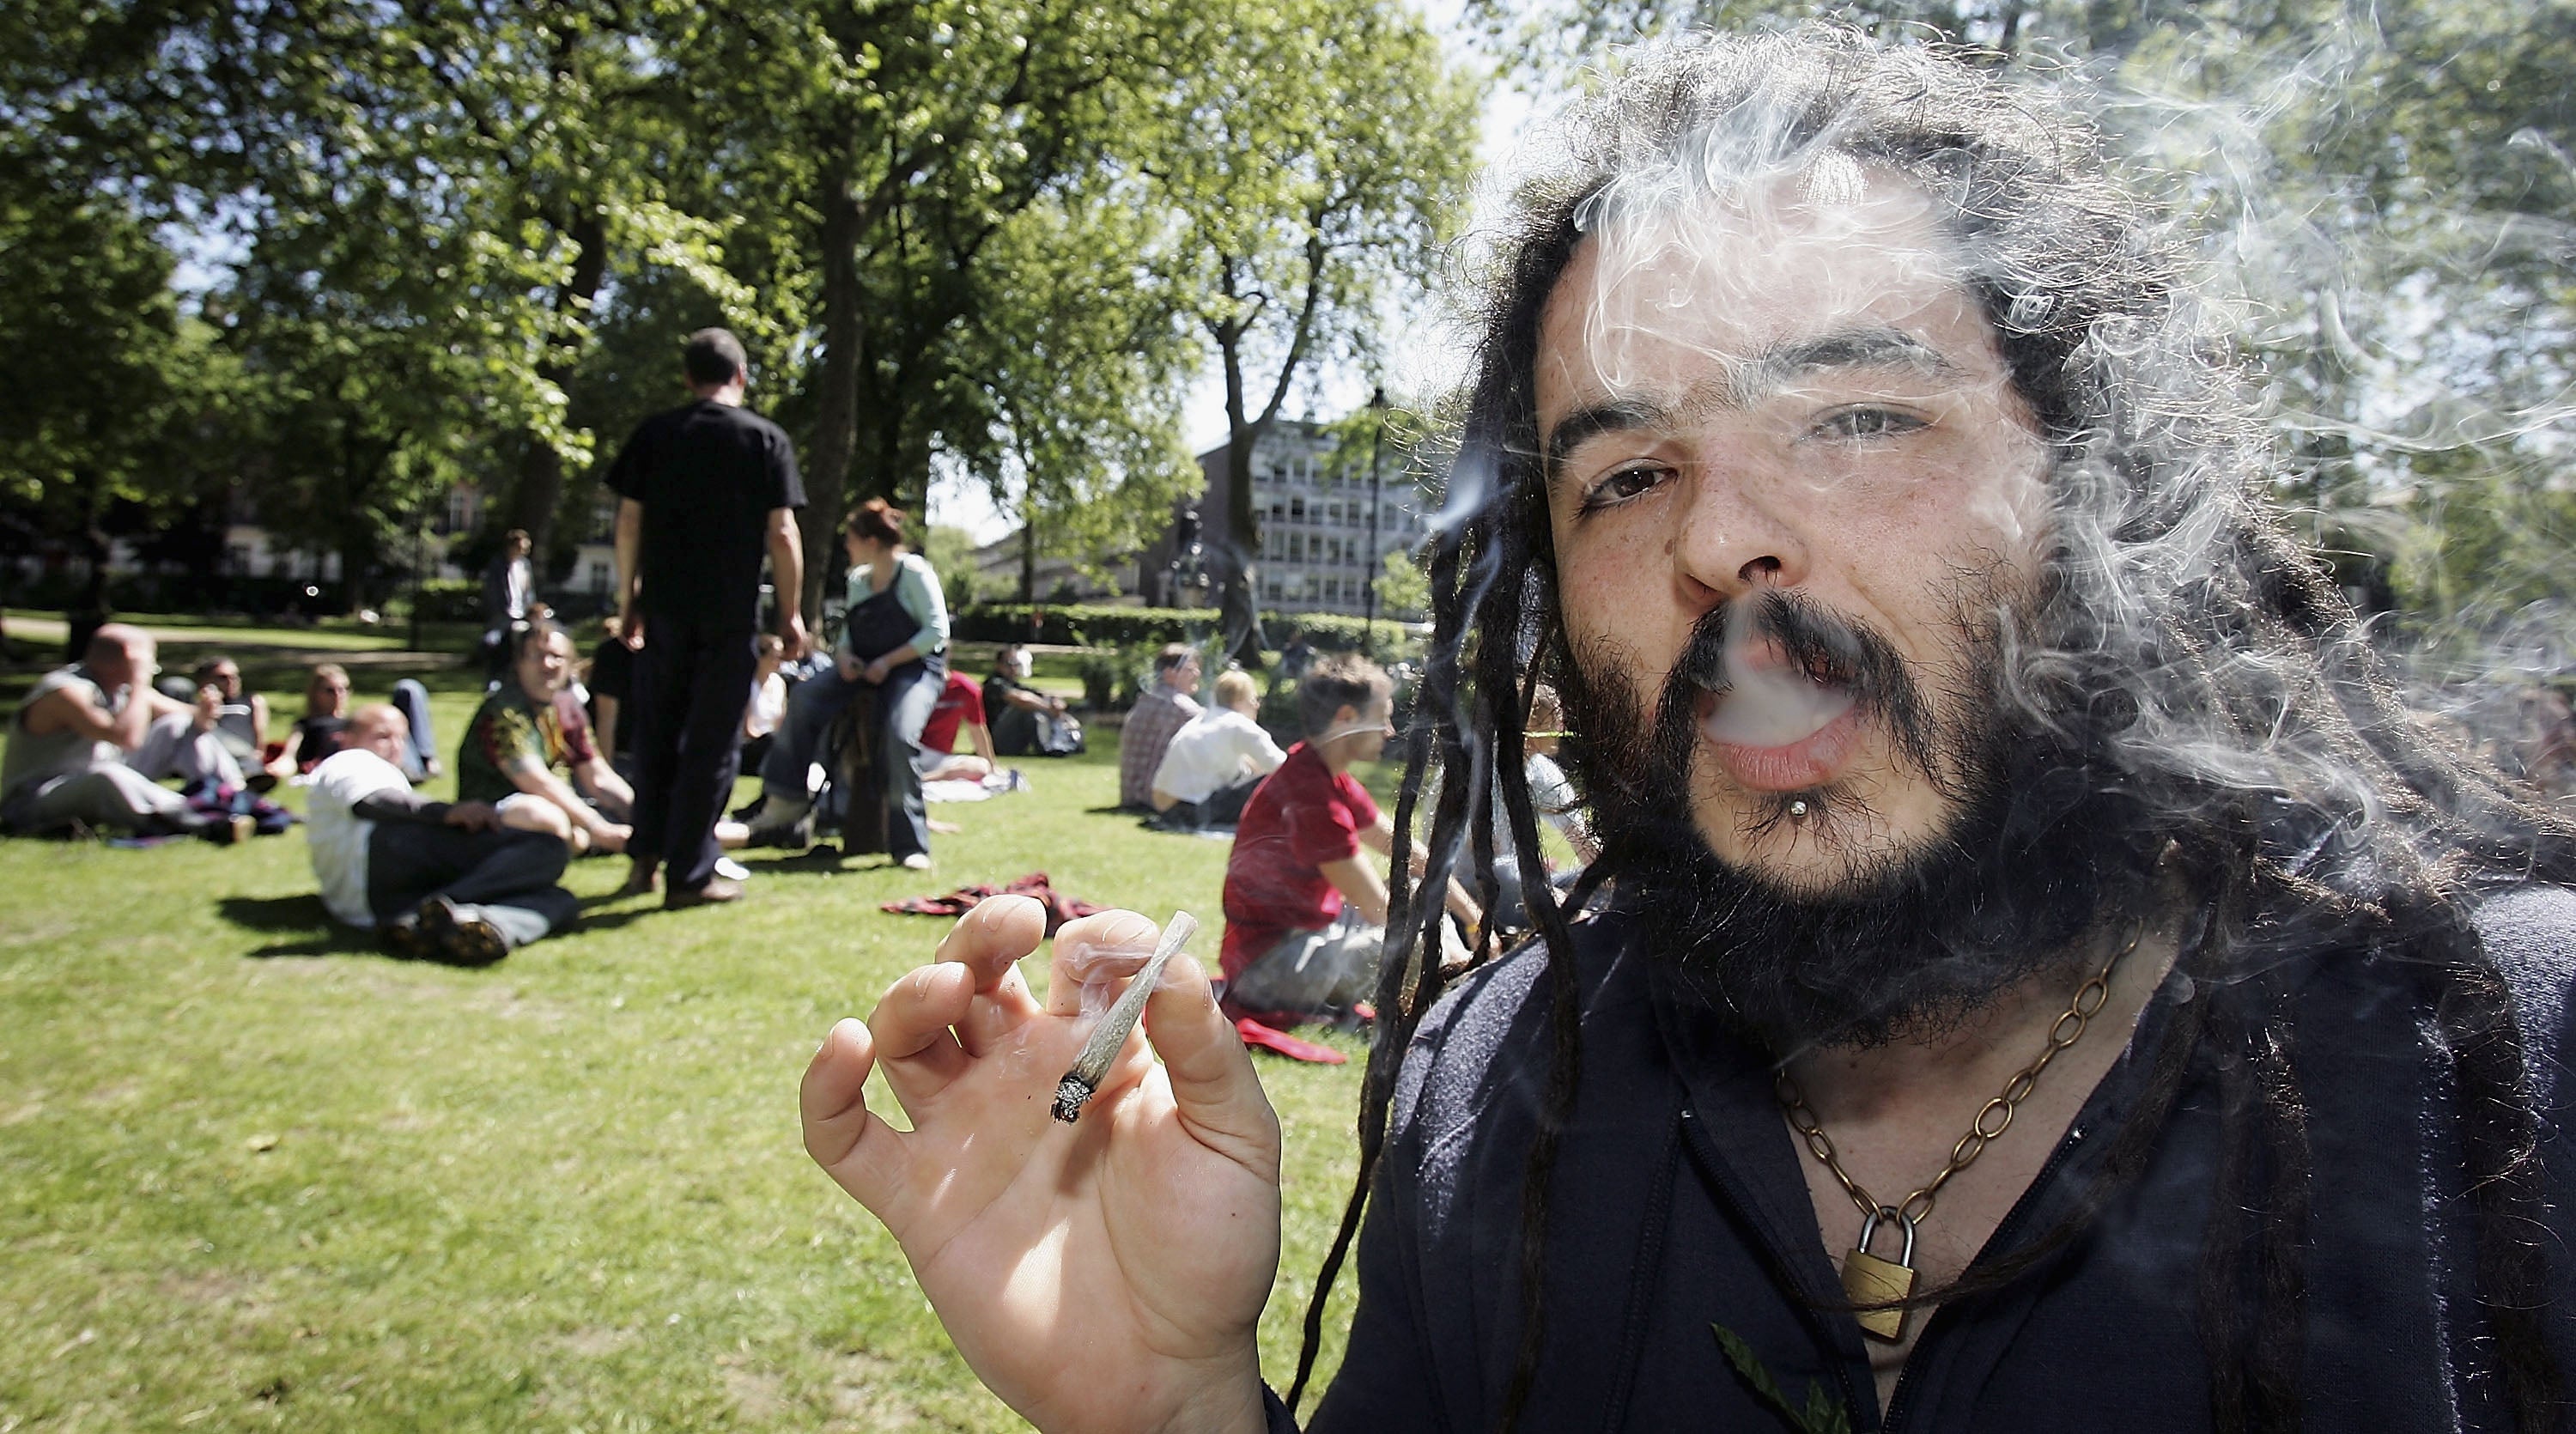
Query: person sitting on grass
{"points": [[518, 739], [1305, 912], [440, 882], [768, 706], [1552, 800], [241, 722], [1215, 761], [960, 706], [1165, 706], [316, 734], [88, 740], [1026, 722]]}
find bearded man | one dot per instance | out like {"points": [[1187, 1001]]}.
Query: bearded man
{"points": [[2037, 975]]}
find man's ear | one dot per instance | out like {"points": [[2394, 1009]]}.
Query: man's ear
{"points": [[1345, 716]]}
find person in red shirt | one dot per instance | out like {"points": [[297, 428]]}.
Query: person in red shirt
{"points": [[1305, 912], [960, 704]]}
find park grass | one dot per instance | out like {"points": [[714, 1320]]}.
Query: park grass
{"points": [[254, 1175]]}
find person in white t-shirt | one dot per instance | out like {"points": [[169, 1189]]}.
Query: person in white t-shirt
{"points": [[444, 882], [1215, 760], [1552, 800]]}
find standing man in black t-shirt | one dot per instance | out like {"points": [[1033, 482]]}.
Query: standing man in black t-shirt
{"points": [[704, 489]]}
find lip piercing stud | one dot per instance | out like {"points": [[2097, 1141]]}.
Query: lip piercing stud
{"points": [[1798, 809]]}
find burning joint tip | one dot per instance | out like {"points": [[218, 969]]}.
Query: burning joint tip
{"points": [[1071, 1094]]}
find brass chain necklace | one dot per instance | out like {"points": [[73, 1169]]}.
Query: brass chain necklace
{"points": [[1871, 1281]]}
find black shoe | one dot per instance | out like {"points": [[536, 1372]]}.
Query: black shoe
{"points": [[403, 940], [261, 783], [717, 891], [451, 937]]}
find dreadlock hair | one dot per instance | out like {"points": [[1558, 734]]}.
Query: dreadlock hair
{"points": [[2184, 642]]}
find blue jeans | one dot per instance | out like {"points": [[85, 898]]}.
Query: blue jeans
{"points": [[412, 700], [903, 709]]}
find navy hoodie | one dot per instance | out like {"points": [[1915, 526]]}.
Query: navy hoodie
{"points": [[1679, 1204]]}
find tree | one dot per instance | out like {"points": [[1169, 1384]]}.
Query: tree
{"points": [[1332, 160], [916, 138]]}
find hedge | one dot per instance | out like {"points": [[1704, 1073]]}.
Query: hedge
{"points": [[1099, 625]]}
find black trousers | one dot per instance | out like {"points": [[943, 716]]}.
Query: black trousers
{"points": [[692, 682], [409, 862]]}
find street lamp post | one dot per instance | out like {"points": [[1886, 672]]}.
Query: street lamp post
{"points": [[1376, 560]]}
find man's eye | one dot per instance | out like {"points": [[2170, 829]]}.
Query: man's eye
{"points": [[1865, 423], [1623, 485]]}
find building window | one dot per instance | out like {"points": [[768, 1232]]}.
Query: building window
{"points": [[1297, 509]]}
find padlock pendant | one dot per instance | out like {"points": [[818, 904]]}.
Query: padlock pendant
{"points": [[1869, 1280]]}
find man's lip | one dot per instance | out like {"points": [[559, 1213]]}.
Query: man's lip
{"points": [[1809, 762]]}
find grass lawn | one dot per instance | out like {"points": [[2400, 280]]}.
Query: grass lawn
{"points": [[254, 1175]]}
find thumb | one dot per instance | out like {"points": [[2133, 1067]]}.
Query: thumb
{"points": [[1220, 1098]]}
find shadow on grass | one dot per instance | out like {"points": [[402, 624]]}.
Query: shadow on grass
{"points": [[303, 912], [303, 916]]}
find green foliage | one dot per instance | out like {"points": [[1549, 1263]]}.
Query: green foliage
{"points": [[450, 600], [951, 552], [1404, 586], [1082, 625], [1821, 1415]]}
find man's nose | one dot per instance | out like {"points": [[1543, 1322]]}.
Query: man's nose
{"points": [[1738, 532]]}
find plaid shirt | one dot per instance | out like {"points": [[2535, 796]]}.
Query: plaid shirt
{"points": [[1150, 725]]}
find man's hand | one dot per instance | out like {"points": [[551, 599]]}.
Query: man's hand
{"points": [[475, 816], [1104, 1275], [791, 631], [874, 674], [609, 836], [630, 627], [210, 707], [848, 666]]}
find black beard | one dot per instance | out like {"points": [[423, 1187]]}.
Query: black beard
{"points": [[2040, 847]]}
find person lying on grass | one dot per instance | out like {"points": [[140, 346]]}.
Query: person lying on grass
{"points": [[440, 881]]}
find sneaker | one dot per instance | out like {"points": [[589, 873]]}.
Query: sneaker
{"points": [[915, 861], [732, 870], [403, 940], [716, 892], [776, 814], [457, 939]]}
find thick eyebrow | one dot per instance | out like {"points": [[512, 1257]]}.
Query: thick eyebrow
{"points": [[1839, 349], [1618, 415], [1748, 383]]}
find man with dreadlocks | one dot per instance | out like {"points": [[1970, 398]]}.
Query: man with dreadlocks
{"points": [[2036, 974]]}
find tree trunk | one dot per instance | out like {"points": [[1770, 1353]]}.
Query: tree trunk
{"points": [[540, 488], [836, 417], [1239, 608], [1029, 557]]}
